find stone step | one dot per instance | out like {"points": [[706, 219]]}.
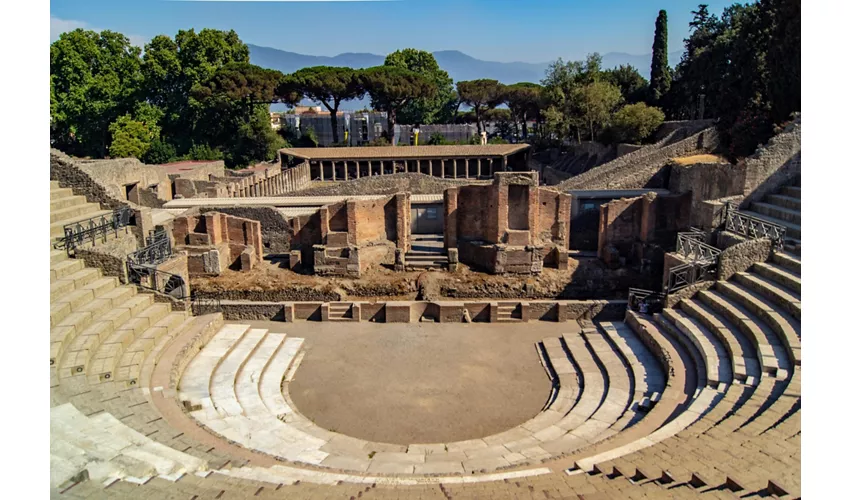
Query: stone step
{"points": [[789, 202], [60, 193], [71, 282], [737, 349], [64, 268], [108, 354], [788, 300], [792, 230], [57, 256], [792, 191], [780, 275], [426, 258], [57, 229], [54, 185], [73, 212], [223, 381], [67, 202], [788, 262], [778, 212]]}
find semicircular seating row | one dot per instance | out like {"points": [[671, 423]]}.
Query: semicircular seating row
{"points": [[705, 394]]}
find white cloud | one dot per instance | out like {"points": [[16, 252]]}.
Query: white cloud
{"points": [[59, 26]]}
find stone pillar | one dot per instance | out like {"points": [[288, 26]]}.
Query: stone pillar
{"points": [[369, 168], [466, 167], [442, 168], [505, 163], [333, 169], [430, 167], [454, 167], [321, 171], [345, 169], [478, 167], [418, 168], [357, 171], [450, 218]]}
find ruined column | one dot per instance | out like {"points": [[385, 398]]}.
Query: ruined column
{"points": [[454, 167], [345, 169], [418, 168], [357, 171], [430, 166], [478, 167], [333, 169], [321, 172], [442, 168], [466, 168], [369, 168]]}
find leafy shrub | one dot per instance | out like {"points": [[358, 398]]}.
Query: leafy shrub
{"points": [[437, 139], [159, 152], [636, 122]]}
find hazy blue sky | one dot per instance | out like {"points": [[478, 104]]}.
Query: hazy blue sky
{"points": [[495, 30]]}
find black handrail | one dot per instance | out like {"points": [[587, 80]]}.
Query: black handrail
{"points": [[151, 278], [77, 233]]}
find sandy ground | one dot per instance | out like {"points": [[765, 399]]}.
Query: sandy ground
{"points": [[419, 383]]}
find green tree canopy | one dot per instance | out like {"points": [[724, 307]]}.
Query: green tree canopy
{"points": [[744, 67], [632, 85], [659, 79], [94, 79], [130, 138], [596, 102], [390, 88], [481, 95], [524, 101], [328, 85], [437, 109], [635, 122]]}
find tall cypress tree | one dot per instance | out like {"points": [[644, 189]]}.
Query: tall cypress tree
{"points": [[659, 78]]}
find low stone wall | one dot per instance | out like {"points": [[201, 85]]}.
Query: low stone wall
{"points": [[646, 166], [110, 257], [740, 256], [413, 312], [64, 169]]}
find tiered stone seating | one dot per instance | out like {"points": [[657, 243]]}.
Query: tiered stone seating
{"points": [[783, 208], [700, 400]]}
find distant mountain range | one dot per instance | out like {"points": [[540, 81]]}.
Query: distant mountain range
{"points": [[459, 66]]}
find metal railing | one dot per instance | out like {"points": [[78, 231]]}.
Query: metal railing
{"points": [[689, 246], [689, 273], [753, 227], [151, 278], [205, 303], [80, 232], [646, 301], [157, 251]]}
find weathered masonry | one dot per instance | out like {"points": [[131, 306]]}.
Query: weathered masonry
{"points": [[453, 162]]}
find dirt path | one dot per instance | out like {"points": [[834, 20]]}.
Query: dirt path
{"points": [[419, 383]]}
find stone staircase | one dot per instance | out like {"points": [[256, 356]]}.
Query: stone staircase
{"points": [[67, 208], [340, 311], [508, 311], [426, 252], [782, 208]]}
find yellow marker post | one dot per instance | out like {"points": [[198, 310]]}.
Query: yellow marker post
{"points": [[346, 137], [416, 138]]}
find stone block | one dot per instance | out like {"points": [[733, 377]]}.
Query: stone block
{"points": [[518, 238], [337, 239], [288, 312], [451, 313], [198, 239], [295, 260], [397, 313]]}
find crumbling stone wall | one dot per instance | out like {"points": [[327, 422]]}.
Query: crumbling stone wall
{"points": [[774, 164], [740, 256], [216, 241], [107, 181], [707, 181], [647, 167], [629, 227], [509, 226], [277, 233], [65, 170], [110, 256]]}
